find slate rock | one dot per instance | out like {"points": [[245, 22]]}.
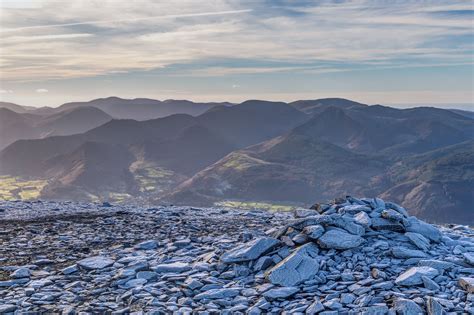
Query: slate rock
{"points": [[301, 265], [433, 307], [339, 239], [418, 240], [176, 267], [407, 307], [363, 219], [280, 293], [469, 258], [147, 245], [313, 231], [413, 276], [251, 250], [6, 308], [436, 264], [315, 307], [96, 262], [403, 252], [381, 224], [427, 230], [218, 294], [21, 273]]}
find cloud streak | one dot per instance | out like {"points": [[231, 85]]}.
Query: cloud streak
{"points": [[138, 19], [324, 38]]}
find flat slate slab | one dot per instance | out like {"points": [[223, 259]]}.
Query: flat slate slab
{"points": [[339, 239], [96, 262], [413, 276], [300, 266], [251, 250]]}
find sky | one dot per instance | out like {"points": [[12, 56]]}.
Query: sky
{"points": [[386, 51]]}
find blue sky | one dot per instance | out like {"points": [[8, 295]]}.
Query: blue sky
{"points": [[389, 52]]}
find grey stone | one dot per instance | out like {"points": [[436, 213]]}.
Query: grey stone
{"points": [[433, 307], [436, 264], [147, 275], [407, 307], [418, 240], [176, 267], [353, 209], [363, 219], [147, 245], [392, 215], [280, 293], [6, 308], [374, 310], [96, 262], [251, 250], [429, 284], [339, 239], [469, 258], [349, 225], [218, 294], [263, 263], [381, 224], [21, 273], [315, 307], [394, 206], [403, 252], [313, 231], [70, 269], [302, 213], [300, 224], [423, 228], [299, 266], [413, 276]]}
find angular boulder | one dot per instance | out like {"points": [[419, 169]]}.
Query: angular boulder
{"points": [[413, 276], [418, 240], [250, 251], [299, 266], [427, 230], [339, 239]]}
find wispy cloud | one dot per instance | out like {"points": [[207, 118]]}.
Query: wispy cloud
{"points": [[137, 19], [49, 42]]}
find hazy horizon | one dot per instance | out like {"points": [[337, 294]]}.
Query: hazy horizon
{"points": [[461, 106]]}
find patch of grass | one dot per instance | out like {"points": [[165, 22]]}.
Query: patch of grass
{"points": [[254, 205], [17, 188], [119, 197], [152, 178], [241, 162]]}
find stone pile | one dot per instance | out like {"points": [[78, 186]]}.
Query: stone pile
{"points": [[350, 256]]}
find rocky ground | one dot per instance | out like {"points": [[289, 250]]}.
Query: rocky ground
{"points": [[353, 256]]}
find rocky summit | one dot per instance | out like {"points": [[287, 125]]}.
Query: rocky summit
{"points": [[349, 256]]}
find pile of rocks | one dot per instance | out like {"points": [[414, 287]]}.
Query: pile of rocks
{"points": [[361, 255], [349, 256]]}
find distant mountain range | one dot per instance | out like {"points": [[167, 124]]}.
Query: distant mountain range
{"points": [[274, 152]]}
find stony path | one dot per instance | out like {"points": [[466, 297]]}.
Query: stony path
{"points": [[354, 256]]}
